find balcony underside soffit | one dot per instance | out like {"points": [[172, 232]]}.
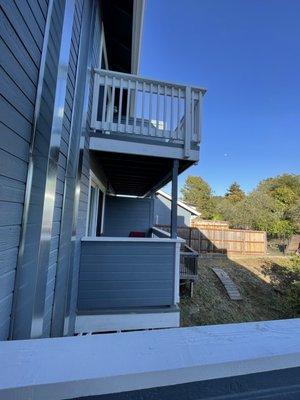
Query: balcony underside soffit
{"points": [[136, 175]]}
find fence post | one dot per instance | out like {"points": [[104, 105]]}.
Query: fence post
{"points": [[266, 242], [222, 241]]}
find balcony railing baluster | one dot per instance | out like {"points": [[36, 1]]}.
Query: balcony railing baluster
{"points": [[127, 107], [143, 108], [157, 111], [165, 112], [171, 117], [150, 109], [120, 105], [178, 116], [104, 108]]}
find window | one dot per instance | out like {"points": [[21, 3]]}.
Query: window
{"points": [[95, 219]]}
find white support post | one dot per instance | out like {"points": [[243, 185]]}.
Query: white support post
{"points": [[177, 273], [199, 117], [174, 199], [187, 123], [96, 91]]}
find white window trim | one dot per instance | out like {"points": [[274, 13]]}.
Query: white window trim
{"points": [[98, 185]]}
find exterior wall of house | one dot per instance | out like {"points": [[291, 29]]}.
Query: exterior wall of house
{"points": [[41, 209], [162, 212], [48, 50], [22, 30], [124, 214], [146, 267], [39, 63]]}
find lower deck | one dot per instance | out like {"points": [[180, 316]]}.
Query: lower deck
{"points": [[128, 283], [127, 319]]}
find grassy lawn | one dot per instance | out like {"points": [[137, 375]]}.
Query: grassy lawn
{"points": [[269, 286]]}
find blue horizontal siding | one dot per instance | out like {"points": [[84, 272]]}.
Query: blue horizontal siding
{"points": [[126, 274], [123, 215]]}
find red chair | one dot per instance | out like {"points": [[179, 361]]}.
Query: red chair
{"points": [[137, 234]]}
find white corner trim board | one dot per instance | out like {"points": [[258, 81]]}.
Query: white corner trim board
{"points": [[70, 367]]}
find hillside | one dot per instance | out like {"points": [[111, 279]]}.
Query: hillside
{"points": [[267, 285]]}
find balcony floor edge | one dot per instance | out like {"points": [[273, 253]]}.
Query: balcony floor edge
{"points": [[145, 149], [127, 321]]}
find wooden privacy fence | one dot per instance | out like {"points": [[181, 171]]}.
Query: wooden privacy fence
{"points": [[207, 224], [220, 240]]}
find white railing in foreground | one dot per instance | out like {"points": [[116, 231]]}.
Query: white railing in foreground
{"points": [[130, 104], [71, 367]]}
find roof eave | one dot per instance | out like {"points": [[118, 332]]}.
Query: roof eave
{"points": [[137, 32]]}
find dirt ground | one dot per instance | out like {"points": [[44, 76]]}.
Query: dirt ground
{"points": [[267, 285]]}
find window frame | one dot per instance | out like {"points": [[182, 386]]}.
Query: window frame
{"points": [[91, 224]]}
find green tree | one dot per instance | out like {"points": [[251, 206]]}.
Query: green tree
{"points": [[285, 190], [290, 181], [293, 215], [259, 210], [274, 206], [197, 193], [235, 193]]}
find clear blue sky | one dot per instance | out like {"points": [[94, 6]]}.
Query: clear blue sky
{"points": [[247, 54]]}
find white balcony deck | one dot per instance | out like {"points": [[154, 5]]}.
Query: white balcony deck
{"points": [[136, 115]]}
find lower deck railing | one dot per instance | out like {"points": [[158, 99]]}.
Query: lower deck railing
{"points": [[188, 256], [126, 272], [188, 263]]}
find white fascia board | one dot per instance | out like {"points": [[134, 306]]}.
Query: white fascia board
{"points": [[62, 368], [137, 32]]}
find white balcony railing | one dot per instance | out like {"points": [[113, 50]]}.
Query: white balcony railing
{"points": [[129, 104], [254, 360]]}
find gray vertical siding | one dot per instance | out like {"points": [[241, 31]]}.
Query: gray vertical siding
{"points": [[116, 275], [123, 215], [62, 166], [22, 25]]}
